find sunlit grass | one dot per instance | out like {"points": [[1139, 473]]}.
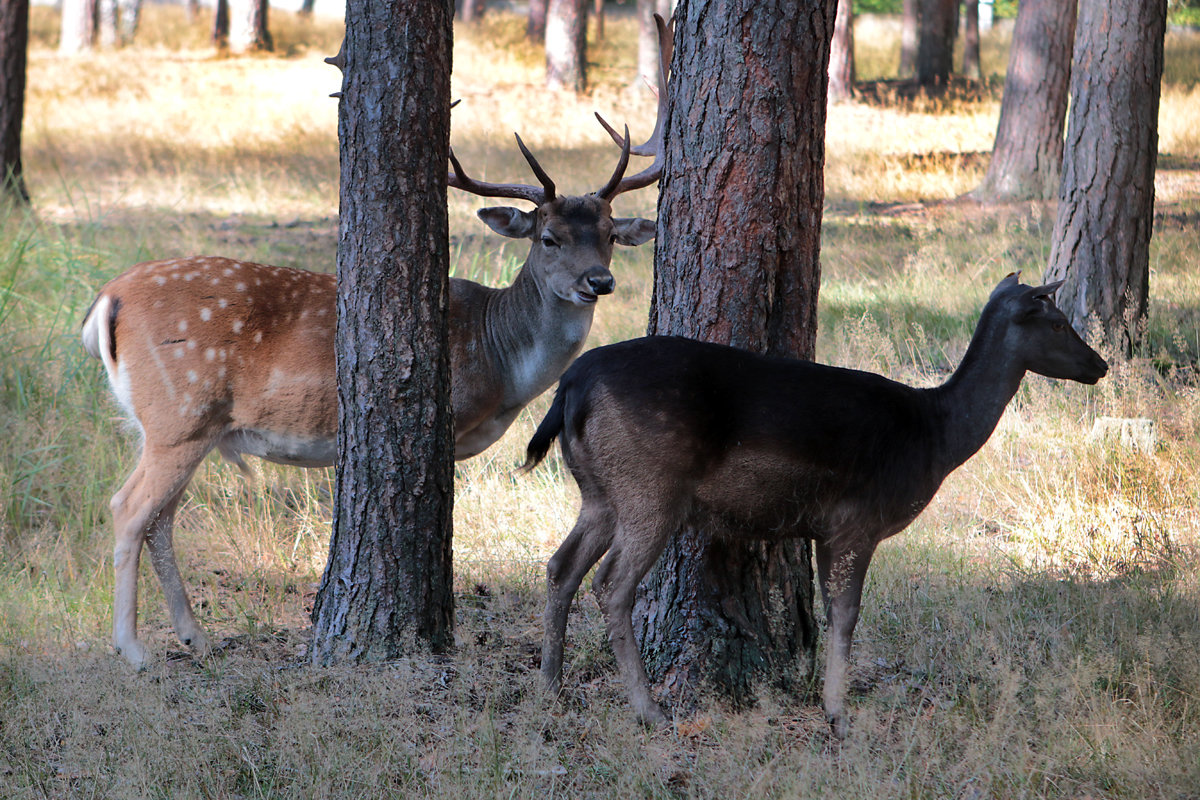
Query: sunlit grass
{"points": [[1032, 635]]}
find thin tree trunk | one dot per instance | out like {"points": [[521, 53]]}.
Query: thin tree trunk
{"points": [[106, 23], [248, 29], [388, 584], [535, 24], [910, 15], [131, 17], [738, 263], [306, 8], [78, 31], [1026, 161], [970, 65], [937, 30], [14, 43], [841, 55], [1106, 204], [566, 45], [647, 69], [598, 11], [220, 32]]}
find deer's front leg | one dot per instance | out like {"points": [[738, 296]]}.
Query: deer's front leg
{"points": [[841, 575]]}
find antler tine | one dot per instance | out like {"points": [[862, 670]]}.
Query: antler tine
{"points": [[653, 145], [518, 191], [547, 184], [610, 189]]}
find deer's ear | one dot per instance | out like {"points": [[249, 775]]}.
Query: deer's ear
{"points": [[511, 222], [633, 231]]}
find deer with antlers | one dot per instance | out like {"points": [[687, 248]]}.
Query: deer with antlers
{"points": [[209, 353]]}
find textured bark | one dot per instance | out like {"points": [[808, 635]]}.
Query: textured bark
{"points": [[387, 586], [1026, 161], [738, 263], [970, 65], [1106, 204], [248, 29], [78, 27], [566, 45], [535, 24], [14, 41], [936, 31], [841, 54]]}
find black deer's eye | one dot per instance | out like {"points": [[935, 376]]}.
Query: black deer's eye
{"points": [[1058, 327], [549, 241]]}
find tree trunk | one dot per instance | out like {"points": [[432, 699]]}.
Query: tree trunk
{"points": [[566, 44], [598, 11], [970, 65], [388, 583], [936, 31], [1106, 204], [118, 21], [535, 24], [306, 8], [220, 32], [78, 31], [248, 31], [647, 69], [739, 222], [841, 55], [910, 15], [14, 42], [106, 23], [1026, 161], [470, 10]]}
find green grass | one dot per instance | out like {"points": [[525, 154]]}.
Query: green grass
{"points": [[1032, 635]]}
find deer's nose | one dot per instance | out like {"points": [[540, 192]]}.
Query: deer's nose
{"points": [[599, 280]]}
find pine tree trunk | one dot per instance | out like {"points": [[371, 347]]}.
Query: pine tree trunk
{"points": [[566, 45], [970, 65], [936, 31], [220, 31], [738, 263], [78, 31], [910, 16], [1106, 203], [535, 24], [14, 42], [841, 55], [1026, 161], [248, 29], [387, 586]]}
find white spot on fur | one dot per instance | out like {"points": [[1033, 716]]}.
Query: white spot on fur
{"points": [[237, 326], [182, 325], [241, 287], [192, 376], [160, 280], [205, 314], [210, 354]]}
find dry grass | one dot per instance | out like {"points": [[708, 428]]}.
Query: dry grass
{"points": [[1032, 635]]}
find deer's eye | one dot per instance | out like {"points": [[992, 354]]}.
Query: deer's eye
{"points": [[548, 241], [1057, 327]]}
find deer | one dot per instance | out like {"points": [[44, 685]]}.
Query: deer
{"points": [[207, 353], [663, 431]]}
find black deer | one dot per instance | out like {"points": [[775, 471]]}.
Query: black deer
{"points": [[661, 430]]}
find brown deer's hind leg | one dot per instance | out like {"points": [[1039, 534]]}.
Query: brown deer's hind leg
{"points": [[841, 574], [588, 540]]}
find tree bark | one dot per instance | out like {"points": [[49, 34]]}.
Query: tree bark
{"points": [[78, 31], [388, 584], [937, 29], [970, 65], [220, 32], [535, 24], [841, 54], [1026, 161], [14, 43], [566, 45], [248, 29], [1105, 216], [737, 262], [910, 16]]}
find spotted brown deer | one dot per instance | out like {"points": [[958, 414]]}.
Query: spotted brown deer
{"points": [[211, 353], [661, 430]]}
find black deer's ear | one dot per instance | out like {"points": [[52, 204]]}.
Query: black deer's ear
{"points": [[1048, 290]]}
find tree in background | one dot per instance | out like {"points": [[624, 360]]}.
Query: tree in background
{"points": [[78, 28], [1105, 216], [387, 585], [566, 44], [841, 54], [220, 30], [737, 262], [248, 31], [647, 69], [1026, 162], [117, 21], [14, 42], [910, 15], [937, 28], [970, 64], [535, 24]]}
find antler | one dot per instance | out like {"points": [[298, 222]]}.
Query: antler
{"points": [[520, 191], [619, 183]]}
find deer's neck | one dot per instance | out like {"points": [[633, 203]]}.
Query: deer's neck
{"points": [[972, 401], [535, 333]]}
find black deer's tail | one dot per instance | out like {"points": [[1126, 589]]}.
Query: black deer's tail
{"points": [[549, 428]]}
